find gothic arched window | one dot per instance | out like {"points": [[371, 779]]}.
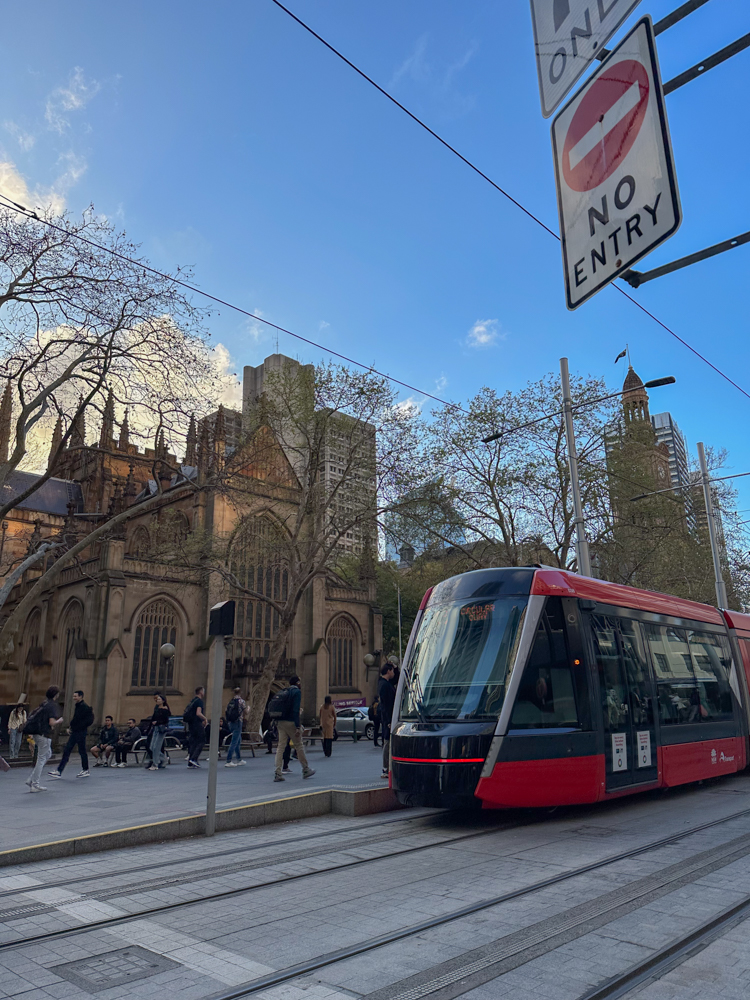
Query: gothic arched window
{"points": [[70, 640], [32, 640], [157, 624], [341, 642], [257, 562]]}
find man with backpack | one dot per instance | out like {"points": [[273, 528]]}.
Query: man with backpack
{"points": [[287, 703], [195, 720], [83, 717], [39, 725], [234, 717]]}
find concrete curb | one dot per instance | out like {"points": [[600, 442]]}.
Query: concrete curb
{"points": [[296, 807]]}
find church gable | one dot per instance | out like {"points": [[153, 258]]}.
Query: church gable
{"points": [[263, 458]]}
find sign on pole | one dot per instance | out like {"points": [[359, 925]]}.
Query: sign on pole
{"points": [[568, 34], [616, 185]]}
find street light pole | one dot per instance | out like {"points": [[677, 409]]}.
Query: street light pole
{"points": [[721, 590], [582, 545], [215, 687]]}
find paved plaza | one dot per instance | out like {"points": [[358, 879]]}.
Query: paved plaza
{"points": [[267, 912], [114, 798]]}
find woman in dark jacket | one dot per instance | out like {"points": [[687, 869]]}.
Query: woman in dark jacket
{"points": [[159, 724]]}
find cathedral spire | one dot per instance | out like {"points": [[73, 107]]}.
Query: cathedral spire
{"points": [[57, 436], [204, 449], [220, 437], [124, 441], [191, 444], [77, 437], [106, 438], [6, 412]]}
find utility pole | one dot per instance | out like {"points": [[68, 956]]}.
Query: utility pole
{"points": [[400, 648], [582, 545], [216, 688], [721, 590]]}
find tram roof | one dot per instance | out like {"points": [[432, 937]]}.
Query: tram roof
{"points": [[561, 583], [738, 620]]}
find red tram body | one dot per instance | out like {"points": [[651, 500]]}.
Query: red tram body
{"points": [[529, 687]]}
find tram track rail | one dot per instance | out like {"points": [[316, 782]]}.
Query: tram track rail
{"points": [[672, 955], [32, 909], [331, 958], [428, 821]]}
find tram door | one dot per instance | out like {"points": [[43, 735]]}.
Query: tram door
{"points": [[627, 701]]}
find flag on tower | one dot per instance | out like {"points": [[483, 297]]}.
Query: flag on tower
{"points": [[622, 354]]}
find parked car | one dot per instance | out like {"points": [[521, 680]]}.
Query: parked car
{"points": [[345, 722]]}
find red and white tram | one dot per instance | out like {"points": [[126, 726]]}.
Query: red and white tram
{"points": [[539, 687]]}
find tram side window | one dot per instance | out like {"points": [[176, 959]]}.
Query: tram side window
{"points": [[712, 662], [677, 690], [546, 698]]}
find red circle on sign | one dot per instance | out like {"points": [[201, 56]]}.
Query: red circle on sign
{"points": [[605, 125]]}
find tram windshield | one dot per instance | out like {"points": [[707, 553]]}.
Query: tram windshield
{"points": [[462, 656]]}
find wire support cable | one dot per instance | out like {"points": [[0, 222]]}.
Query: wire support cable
{"points": [[497, 187]]}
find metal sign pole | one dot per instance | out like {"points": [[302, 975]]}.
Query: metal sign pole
{"points": [[582, 545], [721, 590], [216, 687]]}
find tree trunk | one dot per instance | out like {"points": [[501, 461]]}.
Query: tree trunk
{"points": [[262, 688]]}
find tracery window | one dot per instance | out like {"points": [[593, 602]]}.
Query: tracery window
{"points": [[341, 636], [140, 543], [257, 562], [157, 624], [31, 638]]}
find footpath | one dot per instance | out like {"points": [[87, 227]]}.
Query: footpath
{"points": [[154, 805]]}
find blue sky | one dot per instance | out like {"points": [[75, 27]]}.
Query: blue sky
{"points": [[226, 137]]}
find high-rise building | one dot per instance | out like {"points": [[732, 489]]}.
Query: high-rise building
{"points": [[347, 459], [669, 434]]}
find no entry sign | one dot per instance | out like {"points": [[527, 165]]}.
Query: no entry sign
{"points": [[616, 186], [568, 34]]}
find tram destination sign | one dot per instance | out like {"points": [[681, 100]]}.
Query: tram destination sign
{"points": [[568, 34], [616, 185]]}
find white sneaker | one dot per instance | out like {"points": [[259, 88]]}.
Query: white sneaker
{"points": [[241, 762], [54, 774], [83, 774], [230, 764], [37, 788], [119, 765]]}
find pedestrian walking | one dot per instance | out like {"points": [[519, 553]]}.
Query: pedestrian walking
{"points": [[126, 743], [290, 730], [39, 725], [387, 698], [327, 724], [16, 722], [106, 745], [234, 717], [83, 717], [195, 720], [373, 713], [270, 732], [159, 725]]}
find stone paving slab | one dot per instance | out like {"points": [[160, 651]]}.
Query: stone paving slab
{"points": [[114, 798]]}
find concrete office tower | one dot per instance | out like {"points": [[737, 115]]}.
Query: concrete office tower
{"points": [[348, 454]]}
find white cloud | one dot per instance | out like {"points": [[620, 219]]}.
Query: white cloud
{"points": [[256, 331], [440, 383], [484, 333], [225, 366], [14, 185], [24, 139], [323, 325], [410, 406], [72, 97], [436, 80]]}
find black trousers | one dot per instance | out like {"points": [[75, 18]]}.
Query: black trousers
{"points": [[376, 731], [196, 742], [327, 747], [75, 740], [121, 752]]}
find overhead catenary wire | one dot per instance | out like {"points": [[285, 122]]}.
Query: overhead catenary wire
{"points": [[469, 163], [9, 203]]}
